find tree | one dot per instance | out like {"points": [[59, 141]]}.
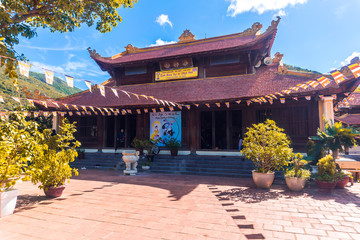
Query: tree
{"points": [[22, 17]]}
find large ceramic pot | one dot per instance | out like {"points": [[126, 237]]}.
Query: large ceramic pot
{"points": [[174, 152], [343, 182], [54, 192], [295, 184], [326, 186], [8, 202], [263, 180]]}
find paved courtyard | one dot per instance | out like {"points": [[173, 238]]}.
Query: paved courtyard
{"points": [[106, 205]]}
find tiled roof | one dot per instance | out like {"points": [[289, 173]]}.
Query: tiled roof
{"points": [[246, 39], [351, 119], [265, 81]]}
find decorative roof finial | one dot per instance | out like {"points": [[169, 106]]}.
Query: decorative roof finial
{"points": [[187, 36], [93, 52], [131, 49]]}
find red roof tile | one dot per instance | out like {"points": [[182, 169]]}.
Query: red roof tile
{"points": [[351, 119], [264, 82], [246, 39]]}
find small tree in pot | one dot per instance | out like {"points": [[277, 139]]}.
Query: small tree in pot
{"points": [[17, 145], [296, 176], [50, 166], [326, 178], [173, 145], [268, 147]]}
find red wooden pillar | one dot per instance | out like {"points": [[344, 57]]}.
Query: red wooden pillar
{"points": [[100, 132], [193, 126]]}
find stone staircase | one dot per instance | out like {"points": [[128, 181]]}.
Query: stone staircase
{"points": [[227, 166], [98, 161]]}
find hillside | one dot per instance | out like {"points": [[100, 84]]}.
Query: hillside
{"points": [[35, 81], [299, 69]]}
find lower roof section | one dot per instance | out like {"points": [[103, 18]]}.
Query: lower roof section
{"points": [[265, 81]]}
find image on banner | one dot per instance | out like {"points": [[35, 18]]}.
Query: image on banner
{"points": [[165, 125]]}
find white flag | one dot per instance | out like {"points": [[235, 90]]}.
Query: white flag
{"points": [[16, 99], [1, 99], [102, 90], [24, 69], [49, 76], [88, 84], [115, 92], [69, 81]]}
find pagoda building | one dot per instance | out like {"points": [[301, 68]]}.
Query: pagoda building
{"points": [[207, 92]]}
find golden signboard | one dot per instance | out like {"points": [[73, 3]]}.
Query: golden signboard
{"points": [[176, 74]]}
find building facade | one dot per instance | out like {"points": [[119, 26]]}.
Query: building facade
{"points": [[216, 86]]}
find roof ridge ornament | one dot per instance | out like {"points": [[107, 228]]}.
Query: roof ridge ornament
{"points": [[131, 49], [274, 23], [254, 30], [186, 36], [93, 52], [278, 58]]}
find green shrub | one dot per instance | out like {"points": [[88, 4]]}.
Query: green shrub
{"points": [[18, 143], [267, 146], [327, 168], [172, 143], [139, 143], [50, 166], [296, 169]]}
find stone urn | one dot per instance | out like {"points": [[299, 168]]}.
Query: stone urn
{"points": [[130, 159], [263, 180]]}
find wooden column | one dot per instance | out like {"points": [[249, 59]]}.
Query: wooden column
{"points": [[100, 132], [193, 130], [228, 129], [126, 130], [213, 130]]}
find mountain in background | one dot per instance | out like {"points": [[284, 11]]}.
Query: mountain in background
{"points": [[299, 69], [35, 81]]}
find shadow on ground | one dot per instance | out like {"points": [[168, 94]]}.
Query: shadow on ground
{"points": [[244, 190]]}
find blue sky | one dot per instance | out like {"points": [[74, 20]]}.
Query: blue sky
{"points": [[314, 34]]}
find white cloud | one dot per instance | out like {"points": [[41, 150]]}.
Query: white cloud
{"points": [[163, 19], [260, 6], [349, 58], [280, 13], [160, 42], [39, 67]]}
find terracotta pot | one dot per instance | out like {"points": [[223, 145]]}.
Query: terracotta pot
{"points": [[295, 184], [342, 183], [54, 192], [8, 202], [174, 152], [327, 186], [263, 180]]}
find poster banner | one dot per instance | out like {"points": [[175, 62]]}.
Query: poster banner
{"points": [[176, 74], [165, 125]]}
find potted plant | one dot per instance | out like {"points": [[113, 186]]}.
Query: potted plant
{"points": [[268, 147], [146, 166], [17, 145], [336, 138], [152, 149], [51, 163], [139, 145], [326, 177], [80, 153], [342, 178], [173, 145], [296, 176]]}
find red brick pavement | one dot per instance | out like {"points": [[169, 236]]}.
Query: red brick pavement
{"points": [[107, 205]]}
